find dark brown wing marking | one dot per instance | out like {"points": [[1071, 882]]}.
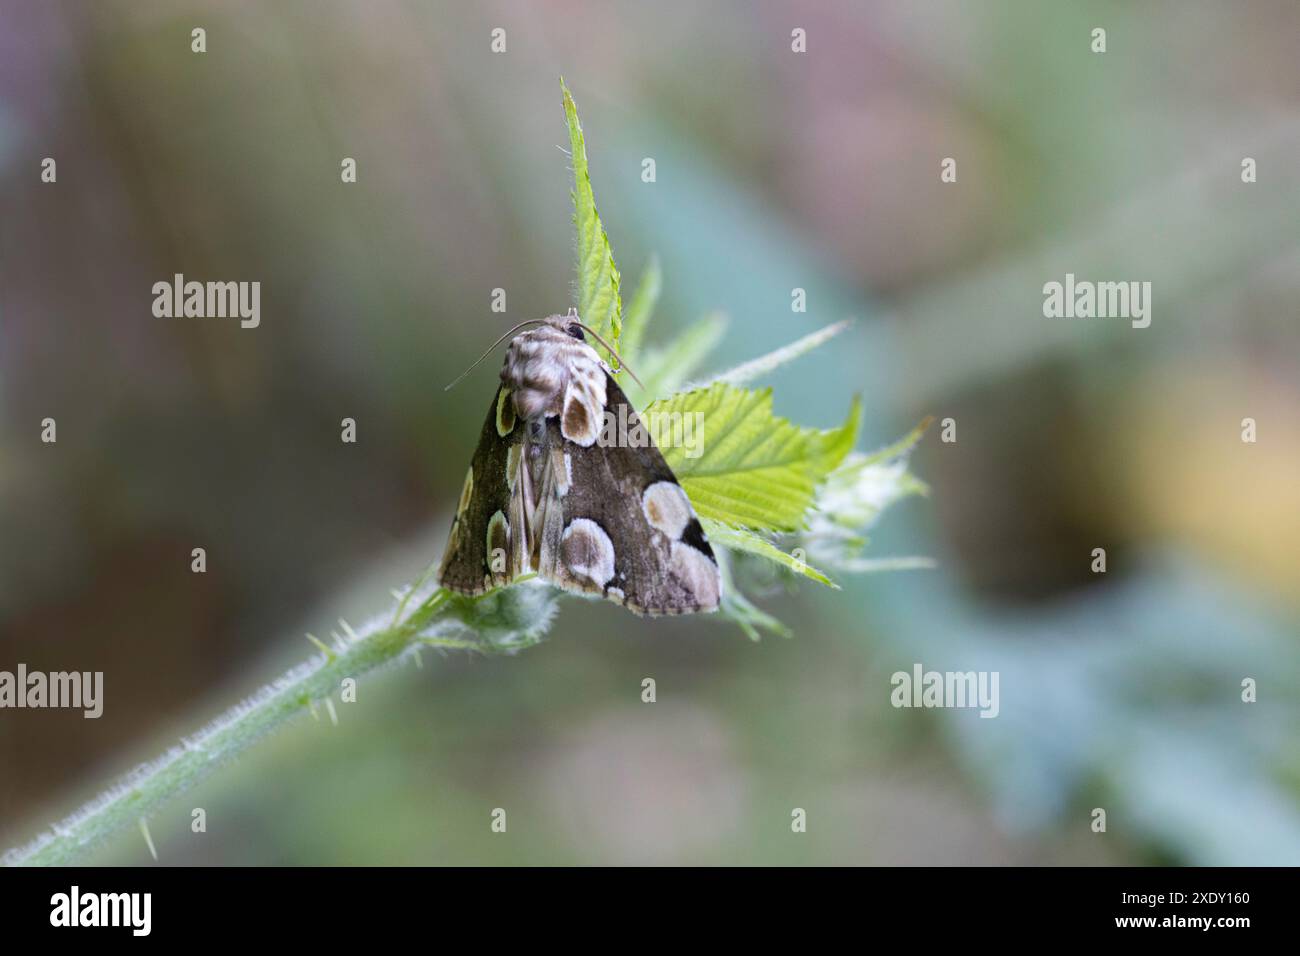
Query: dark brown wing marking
{"points": [[485, 495]]}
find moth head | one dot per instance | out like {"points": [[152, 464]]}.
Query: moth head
{"points": [[569, 323], [528, 345]]}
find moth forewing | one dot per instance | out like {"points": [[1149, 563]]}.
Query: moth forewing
{"points": [[481, 524]]}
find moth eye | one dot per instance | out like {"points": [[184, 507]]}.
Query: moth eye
{"points": [[576, 332]]}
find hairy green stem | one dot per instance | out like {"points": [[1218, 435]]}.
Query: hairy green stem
{"points": [[503, 621]]}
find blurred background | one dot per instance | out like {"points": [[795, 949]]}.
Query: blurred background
{"points": [[775, 170]]}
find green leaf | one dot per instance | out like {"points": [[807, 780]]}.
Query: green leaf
{"points": [[598, 296], [745, 466], [749, 618], [900, 448], [742, 539], [766, 364], [739, 609], [853, 498], [664, 369], [637, 316]]}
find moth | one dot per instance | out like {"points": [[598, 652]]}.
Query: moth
{"points": [[548, 492]]}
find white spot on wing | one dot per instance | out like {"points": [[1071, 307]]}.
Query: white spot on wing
{"points": [[505, 413], [700, 576], [581, 420], [466, 492], [667, 508], [498, 532], [587, 552]]}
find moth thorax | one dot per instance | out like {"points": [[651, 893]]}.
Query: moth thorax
{"points": [[539, 366]]}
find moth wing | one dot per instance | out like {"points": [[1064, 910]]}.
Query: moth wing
{"points": [[481, 548], [615, 522]]}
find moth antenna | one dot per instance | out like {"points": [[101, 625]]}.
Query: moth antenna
{"points": [[489, 351], [610, 349]]}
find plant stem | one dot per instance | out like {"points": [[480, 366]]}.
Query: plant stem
{"points": [[493, 623]]}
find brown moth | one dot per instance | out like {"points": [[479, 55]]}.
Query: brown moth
{"points": [[547, 493]]}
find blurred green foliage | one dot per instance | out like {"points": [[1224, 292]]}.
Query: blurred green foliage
{"points": [[775, 171]]}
